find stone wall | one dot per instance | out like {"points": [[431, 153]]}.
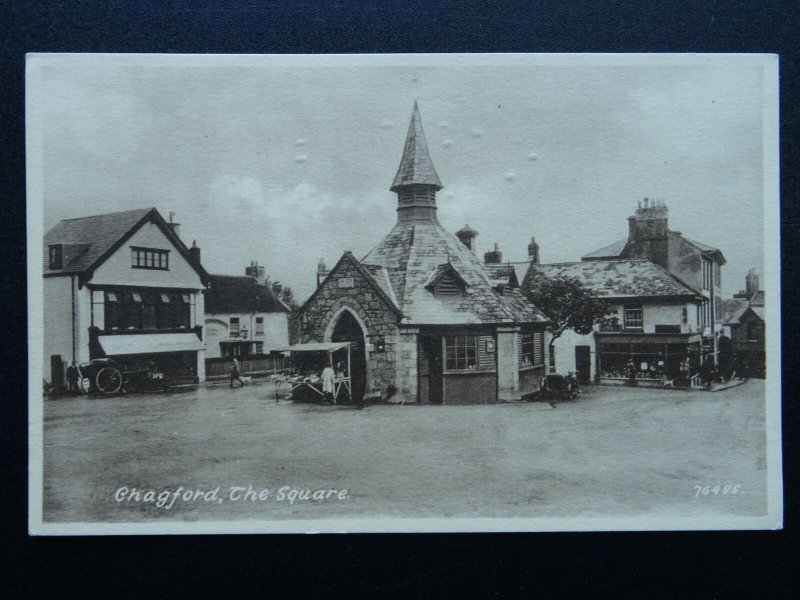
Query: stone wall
{"points": [[346, 288]]}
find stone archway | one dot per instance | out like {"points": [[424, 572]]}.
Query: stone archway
{"points": [[346, 326]]}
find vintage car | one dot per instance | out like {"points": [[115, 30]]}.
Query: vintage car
{"points": [[559, 386]]}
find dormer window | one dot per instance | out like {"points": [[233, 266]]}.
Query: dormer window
{"points": [[447, 286], [445, 281], [55, 256]]}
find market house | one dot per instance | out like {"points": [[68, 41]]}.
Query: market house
{"points": [[428, 321]]}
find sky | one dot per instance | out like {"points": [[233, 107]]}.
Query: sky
{"points": [[286, 160]]}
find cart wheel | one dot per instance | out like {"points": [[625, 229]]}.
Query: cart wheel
{"points": [[109, 380]]}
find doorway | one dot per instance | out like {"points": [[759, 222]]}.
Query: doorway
{"points": [[583, 364], [348, 329], [431, 380]]}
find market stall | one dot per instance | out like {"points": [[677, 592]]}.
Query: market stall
{"points": [[308, 379]]}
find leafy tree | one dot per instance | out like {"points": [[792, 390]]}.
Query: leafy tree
{"points": [[569, 305], [284, 293]]}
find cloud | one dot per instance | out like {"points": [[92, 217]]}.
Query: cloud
{"points": [[300, 158], [447, 143], [509, 176]]}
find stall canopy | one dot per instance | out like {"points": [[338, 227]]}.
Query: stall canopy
{"points": [[313, 347], [149, 343]]}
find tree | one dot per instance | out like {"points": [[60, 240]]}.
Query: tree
{"points": [[569, 305], [284, 293]]}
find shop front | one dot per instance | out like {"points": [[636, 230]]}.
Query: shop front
{"points": [[649, 359]]}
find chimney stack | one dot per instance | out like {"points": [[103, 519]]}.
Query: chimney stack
{"points": [[257, 272], [322, 272], [533, 251], [194, 252], [493, 257], [467, 236], [751, 283]]}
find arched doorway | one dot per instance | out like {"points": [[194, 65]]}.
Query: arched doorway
{"points": [[348, 329]]}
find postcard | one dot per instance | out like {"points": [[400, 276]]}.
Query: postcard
{"points": [[403, 293]]}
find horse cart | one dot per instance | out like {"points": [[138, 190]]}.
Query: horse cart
{"points": [[108, 376]]}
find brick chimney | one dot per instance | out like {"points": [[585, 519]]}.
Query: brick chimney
{"points": [[751, 283], [257, 272], [648, 230], [194, 252], [466, 236], [533, 251], [493, 257]]}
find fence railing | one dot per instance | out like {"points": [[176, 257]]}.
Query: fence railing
{"points": [[216, 367]]}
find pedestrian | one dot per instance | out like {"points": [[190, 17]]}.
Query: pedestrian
{"points": [[327, 383], [631, 368], [72, 378], [235, 374]]}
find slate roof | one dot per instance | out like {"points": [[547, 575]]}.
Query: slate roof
{"points": [[412, 253], [87, 241], [704, 248], [617, 278], [611, 251], [232, 294], [502, 274], [416, 166], [90, 237], [733, 309]]}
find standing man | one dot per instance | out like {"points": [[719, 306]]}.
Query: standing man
{"points": [[327, 383], [72, 378]]}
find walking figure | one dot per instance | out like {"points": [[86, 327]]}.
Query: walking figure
{"points": [[235, 374]]}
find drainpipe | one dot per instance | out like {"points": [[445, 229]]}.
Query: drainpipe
{"points": [[72, 291]]}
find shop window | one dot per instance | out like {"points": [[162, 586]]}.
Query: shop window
{"points": [[259, 325], [531, 349], [149, 258], [461, 352], [234, 329], [634, 318]]}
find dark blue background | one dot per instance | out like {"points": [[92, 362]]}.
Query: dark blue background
{"points": [[696, 565]]}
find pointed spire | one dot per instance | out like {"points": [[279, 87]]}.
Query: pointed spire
{"points": [[416, 166]]}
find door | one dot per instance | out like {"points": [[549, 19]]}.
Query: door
{"points": [[57, 373], [583, 364], [431, 381]]}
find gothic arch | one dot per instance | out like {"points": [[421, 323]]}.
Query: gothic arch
{"points": [[335, 311]]}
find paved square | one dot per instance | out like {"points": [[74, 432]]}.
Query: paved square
{"points": [[612, 452]]}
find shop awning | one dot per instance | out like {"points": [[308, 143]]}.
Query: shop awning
{"points": [[648, 338], [313, 347], [150, 343]]}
